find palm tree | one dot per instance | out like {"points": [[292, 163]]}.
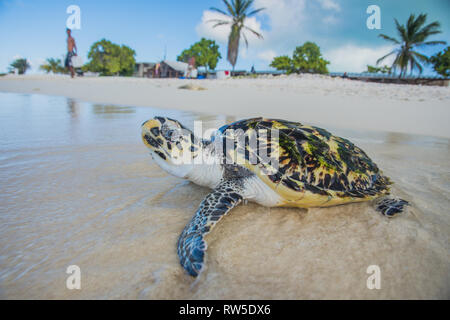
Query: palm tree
{"points": [[238, 11], [52, 65], [21, 65], [412, 36]]}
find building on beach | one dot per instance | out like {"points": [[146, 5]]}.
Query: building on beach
{"points": [[163, 69], [173, 69], [144, 69]]}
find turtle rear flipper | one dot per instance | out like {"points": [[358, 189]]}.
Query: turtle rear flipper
{"points": [[191, 243], [391, 206]]}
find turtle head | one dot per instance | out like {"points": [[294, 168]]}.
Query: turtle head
{"points": [[171, 144]]}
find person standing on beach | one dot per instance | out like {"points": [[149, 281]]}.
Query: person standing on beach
{"points": [[71, 51], [191, 67]]}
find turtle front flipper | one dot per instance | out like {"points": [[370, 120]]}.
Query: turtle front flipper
{"points": [[390, 206], [191, 244]]}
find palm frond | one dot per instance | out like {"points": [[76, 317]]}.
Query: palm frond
{"points": [[245, 40], [384, 57], [245, 6], [420, 37], [385, 37], [219, 11], [431, 43], [230, 8], [217, 20], [420, 56], [414, 64], [414, 25], [260, 36], [434, 26], [221, 23], [401, 30], [425, 32], [252, 13]]}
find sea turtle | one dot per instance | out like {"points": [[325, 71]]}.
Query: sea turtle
{"points": [[301, 166]]}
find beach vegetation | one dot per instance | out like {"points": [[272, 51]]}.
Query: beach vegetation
{"points": [[53, 65], [306, 58], [237, 11], [110, 59], [384, 69], [21, 65], [441, 62], [282, 63], [206, 54], [411, 36]]}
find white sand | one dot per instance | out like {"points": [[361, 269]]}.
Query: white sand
{"points": [[319, 100]]}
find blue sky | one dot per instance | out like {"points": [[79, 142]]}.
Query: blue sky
{"points": [[35, 29]]}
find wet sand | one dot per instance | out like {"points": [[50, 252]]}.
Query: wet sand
{"points": [[79, 188], [317, 99]]}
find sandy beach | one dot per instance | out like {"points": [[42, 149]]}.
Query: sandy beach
{"points": [[315, 99], [78, 187]]}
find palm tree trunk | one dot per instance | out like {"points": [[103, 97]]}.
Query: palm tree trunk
{"points": [[233, 45]]}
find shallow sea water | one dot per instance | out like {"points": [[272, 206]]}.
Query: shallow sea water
{"points": [[78, 187]]}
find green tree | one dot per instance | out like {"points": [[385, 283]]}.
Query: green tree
{"points": [[413, 35], [21, 64], [383, 69], [206, 54], [109, 59], [306, 58], [441, 62], [283, 63], [53, 65], [237, 11]]}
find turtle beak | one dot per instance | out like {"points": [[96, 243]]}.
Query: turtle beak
{"points": [[152, 123], [151, 129]]}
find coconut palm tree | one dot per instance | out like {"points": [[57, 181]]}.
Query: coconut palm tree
{"points": [[53, 65], [237, 11], [21, 65], [413, 35]]}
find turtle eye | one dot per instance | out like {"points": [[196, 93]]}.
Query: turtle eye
{"points": [[168, 134]]}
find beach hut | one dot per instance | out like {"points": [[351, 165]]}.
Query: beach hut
{"points": [[164, 69], [173, 69], [145, 69]]}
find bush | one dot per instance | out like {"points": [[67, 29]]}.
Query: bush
{"points": [[441, 62], [306, 58], [110, 59]]}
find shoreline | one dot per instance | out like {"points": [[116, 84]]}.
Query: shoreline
{"points": [[313, 99]]}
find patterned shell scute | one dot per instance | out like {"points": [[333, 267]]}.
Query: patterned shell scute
{"points": [[310, 158]]}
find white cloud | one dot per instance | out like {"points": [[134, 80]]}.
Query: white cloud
{"points": [[220, 33], [283, 14], [353, 58], [286, 19], [330, 5]]}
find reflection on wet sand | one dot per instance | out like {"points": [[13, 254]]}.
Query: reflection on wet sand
{"points": [[72, 107], [111, 110], [87, 193]]}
